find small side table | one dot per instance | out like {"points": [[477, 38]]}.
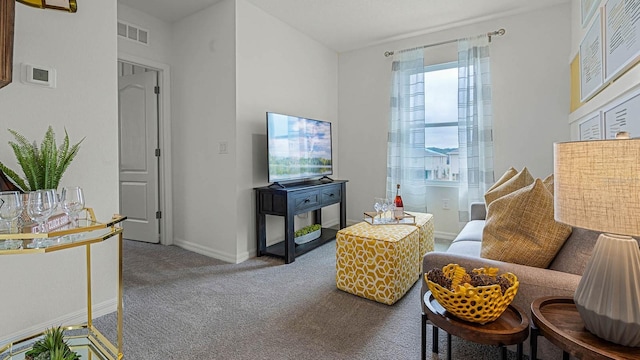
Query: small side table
{"points": [[558, 320], [512, 327]]}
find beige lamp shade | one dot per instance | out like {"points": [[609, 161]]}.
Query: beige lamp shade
{"points": [[597, 185]]}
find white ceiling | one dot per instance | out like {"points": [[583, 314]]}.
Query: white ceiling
{"points": [[345, 25]]}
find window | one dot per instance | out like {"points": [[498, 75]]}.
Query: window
{"points": [[441, 122]]}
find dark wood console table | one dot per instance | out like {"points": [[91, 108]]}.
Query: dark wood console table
{"points": [[296, 199]]}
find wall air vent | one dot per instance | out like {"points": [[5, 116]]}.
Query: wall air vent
{"points": [[133, 32]]}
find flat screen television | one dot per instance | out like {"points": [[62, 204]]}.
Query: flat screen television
{"points": [[298, 148]]}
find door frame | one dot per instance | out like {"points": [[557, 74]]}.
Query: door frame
{"points": [[165, 185]]}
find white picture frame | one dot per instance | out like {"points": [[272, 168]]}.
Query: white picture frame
{"points": [[592, 60], [587, 9], [622, 37], [622, 114], [591, 127]]}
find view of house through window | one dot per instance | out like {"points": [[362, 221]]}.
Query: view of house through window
{"points": [[441, 122]]}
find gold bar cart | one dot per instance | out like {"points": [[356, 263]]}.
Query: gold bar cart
{"points": [[85, 339]]}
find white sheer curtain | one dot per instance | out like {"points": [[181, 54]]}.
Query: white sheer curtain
{"points": [[406, 146], [475, 113]]}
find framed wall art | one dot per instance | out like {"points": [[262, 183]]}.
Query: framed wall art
{"points": [[7, 16], [587, 9], [622, 36], [591, 128], [623, 115], [591, 61]]}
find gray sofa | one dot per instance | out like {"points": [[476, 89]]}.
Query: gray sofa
{"points": [[561, 278]]}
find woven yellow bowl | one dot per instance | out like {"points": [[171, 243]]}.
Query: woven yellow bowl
{"points": [[478, 304]]}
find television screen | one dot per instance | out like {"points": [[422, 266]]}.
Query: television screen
{"points": [[298, 148]]}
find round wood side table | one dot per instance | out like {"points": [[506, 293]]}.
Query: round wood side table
{"points": [[512, 327], [558, 320]]}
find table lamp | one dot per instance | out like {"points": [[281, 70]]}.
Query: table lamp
{"points": [[597, 187]]}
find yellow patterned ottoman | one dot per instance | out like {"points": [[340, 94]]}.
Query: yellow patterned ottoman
{"points": [[424, 222], [377, 262]]}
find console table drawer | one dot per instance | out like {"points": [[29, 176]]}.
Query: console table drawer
{"points": [[306, 200], [331, 195], [271, 203]]}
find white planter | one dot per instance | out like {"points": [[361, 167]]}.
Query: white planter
{"points": [[307, 237]]}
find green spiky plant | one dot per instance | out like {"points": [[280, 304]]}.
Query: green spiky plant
{"points": [[42, 166], [307, 230], [52, 347]]}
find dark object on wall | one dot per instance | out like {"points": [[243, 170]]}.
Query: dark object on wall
{"points": [[7, 18], [64, 5], [298, 148], [7, 15], [6, 184]]}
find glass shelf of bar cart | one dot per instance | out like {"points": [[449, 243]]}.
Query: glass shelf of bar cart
{"points": [[84, 338]]}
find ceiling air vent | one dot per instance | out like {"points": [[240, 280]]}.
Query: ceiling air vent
{"points": [[133, 32]]}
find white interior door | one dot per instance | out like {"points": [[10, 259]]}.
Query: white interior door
{"points": [[138, 120]]}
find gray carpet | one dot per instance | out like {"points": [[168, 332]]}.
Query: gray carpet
{"points": [[181, 305]]}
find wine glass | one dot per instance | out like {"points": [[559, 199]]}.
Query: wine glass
{"points": [[378, 207], [72, 202], [10, 209], [391, 206], [385, 208], [40, 205]]}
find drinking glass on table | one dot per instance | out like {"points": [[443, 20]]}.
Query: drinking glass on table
{"points": [[40, 206], [378, 207], [391, 206], [385, 208], [10, 209], [72, 202]]}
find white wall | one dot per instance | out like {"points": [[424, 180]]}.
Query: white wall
{"points": [[231, 63], [530, 74], [159, 47], [278, 69], [203, 115], [82, 48]]}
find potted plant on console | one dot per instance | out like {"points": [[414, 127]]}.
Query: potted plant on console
{"points": [[42, 166], [307, 233]]}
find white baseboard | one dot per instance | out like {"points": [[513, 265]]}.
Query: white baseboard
{"points": [[245, 256], [233, 258], [75, 318], [199, 249], [331, 222], [444, 235]]}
